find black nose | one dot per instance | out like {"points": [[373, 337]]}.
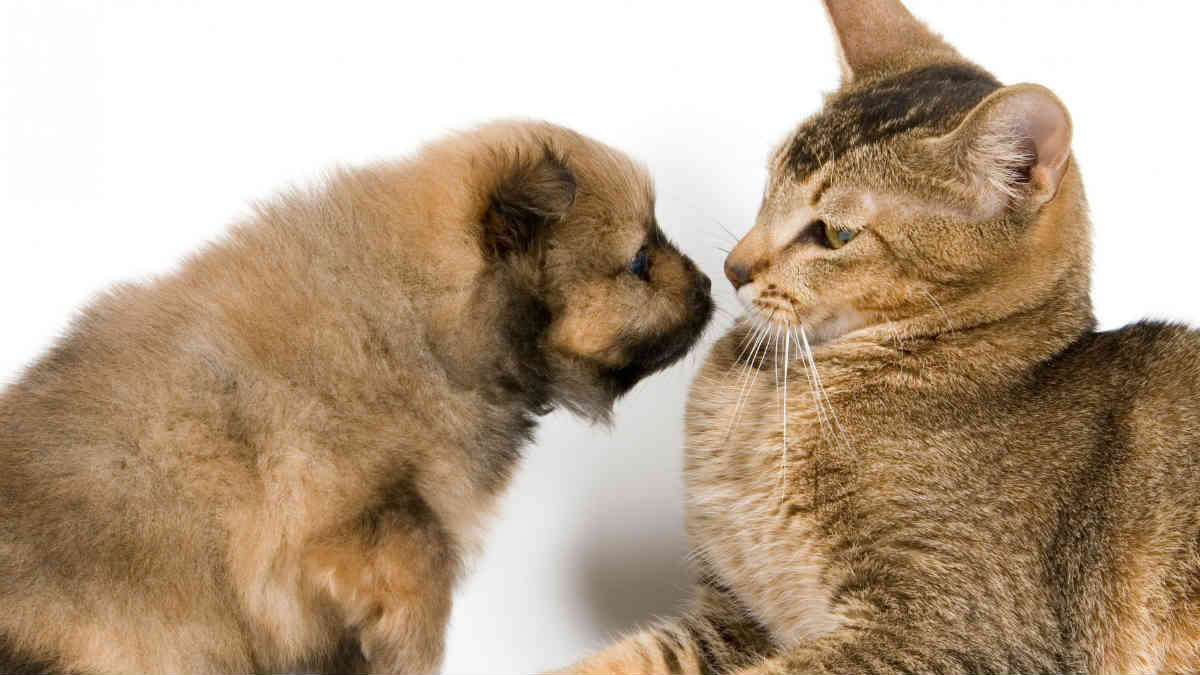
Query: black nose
{"points": [[738, 275], [706, 283]]}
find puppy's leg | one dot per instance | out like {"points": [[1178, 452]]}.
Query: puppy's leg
{"points": [[392, 584], [411, 637]]}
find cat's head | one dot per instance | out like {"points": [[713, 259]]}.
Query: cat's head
{"points": [[924, 190]]}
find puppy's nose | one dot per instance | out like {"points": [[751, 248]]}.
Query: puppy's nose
{"points": [[706, 283], [738, 274]]}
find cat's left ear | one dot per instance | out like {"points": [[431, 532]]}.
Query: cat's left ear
{"points": [[1017, 141], [878, 35]]}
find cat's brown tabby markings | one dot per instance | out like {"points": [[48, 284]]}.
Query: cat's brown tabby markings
{"points": [[275, 458], [917, 454]]}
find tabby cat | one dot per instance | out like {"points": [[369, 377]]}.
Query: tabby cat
{"points": [[916, 453]]}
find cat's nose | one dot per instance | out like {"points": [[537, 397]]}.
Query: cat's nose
{"points": [[738, 274]]}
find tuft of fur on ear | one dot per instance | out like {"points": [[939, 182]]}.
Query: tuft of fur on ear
{"points": [[536, 193], [1017, 142], [878, 35]]}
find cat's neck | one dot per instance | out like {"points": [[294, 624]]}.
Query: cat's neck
{"points": [[1032, 310], [942, 352]]}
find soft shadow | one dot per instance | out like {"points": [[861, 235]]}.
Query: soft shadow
{"points": [[629, 580]]}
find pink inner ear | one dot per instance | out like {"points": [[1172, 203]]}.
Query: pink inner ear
{"points": [[1017, 140], [1036, 116], [1050, 130]]}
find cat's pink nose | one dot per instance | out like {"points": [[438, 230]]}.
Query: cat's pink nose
{"points": [[738, 274]]}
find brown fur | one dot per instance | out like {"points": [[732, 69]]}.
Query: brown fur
{"points": [[277, 458], [917, 454]]}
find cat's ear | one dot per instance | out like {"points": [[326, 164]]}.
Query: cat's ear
{"points": [[874, 35], [534, 194], [1017, 141]]}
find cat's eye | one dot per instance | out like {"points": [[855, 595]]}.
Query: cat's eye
{"points": [[835, 238], [640, 265]]}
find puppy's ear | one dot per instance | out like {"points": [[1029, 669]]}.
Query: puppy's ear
{"points": [[535, 194]]}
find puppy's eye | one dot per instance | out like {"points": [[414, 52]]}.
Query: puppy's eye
{"points": [[835, 238], [640, 265]]}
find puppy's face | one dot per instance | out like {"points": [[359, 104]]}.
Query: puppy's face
{"points": [[623, 302]]}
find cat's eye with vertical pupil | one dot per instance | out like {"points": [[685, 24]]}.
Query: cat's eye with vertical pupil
{"points": [[640, 265], [836, 238]]}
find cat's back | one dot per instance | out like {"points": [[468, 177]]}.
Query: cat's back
{"points": [[1119, 413], [1143, 379]]}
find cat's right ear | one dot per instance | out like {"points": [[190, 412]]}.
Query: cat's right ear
{"points": [[535, 194], [1017, 142]]}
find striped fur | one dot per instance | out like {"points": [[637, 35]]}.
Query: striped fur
{"points": [[927, 100], [915, 453]]}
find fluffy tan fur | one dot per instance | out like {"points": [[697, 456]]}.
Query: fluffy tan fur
{"points": [[916, 454], [278, 457]]}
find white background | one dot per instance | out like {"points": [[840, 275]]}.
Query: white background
{"points": [[133, 131]]}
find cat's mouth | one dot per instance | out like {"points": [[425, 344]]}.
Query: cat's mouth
{"points": [[777, 310]]}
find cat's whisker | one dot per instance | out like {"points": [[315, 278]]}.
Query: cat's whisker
{"points": [[841, 433], [895, 333], [783, 462], [779, 332], [822, 417], [937, 305], [729, 232], [725, 237], [775, 362], [772, 347], [747, 340], [778, 402], [748, 387], [744, 380], [805, 353], [744, 376], [818, 389]]}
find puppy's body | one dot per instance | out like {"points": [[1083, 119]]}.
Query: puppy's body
{"points": [[277, 457]]}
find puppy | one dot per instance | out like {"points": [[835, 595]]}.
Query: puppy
{"points": [[277, 457]]}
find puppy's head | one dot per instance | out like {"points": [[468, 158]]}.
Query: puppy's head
{"points": [[574, 220]]}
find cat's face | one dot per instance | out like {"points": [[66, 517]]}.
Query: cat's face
{"points": [[918, 188]]}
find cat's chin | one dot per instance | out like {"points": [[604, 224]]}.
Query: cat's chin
{"points": [[816, 327], [835, 326]]}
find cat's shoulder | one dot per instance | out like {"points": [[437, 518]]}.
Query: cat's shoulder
{"points": [[1146, 355], [1143, 343]]}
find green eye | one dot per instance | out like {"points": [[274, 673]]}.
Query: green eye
{"points": [[836, 238]]}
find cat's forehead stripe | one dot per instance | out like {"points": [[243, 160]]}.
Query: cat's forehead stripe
{"points": [[926, 97], [816, 195]]}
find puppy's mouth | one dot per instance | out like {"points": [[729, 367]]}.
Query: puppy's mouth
{"points": [[657, 352]]}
